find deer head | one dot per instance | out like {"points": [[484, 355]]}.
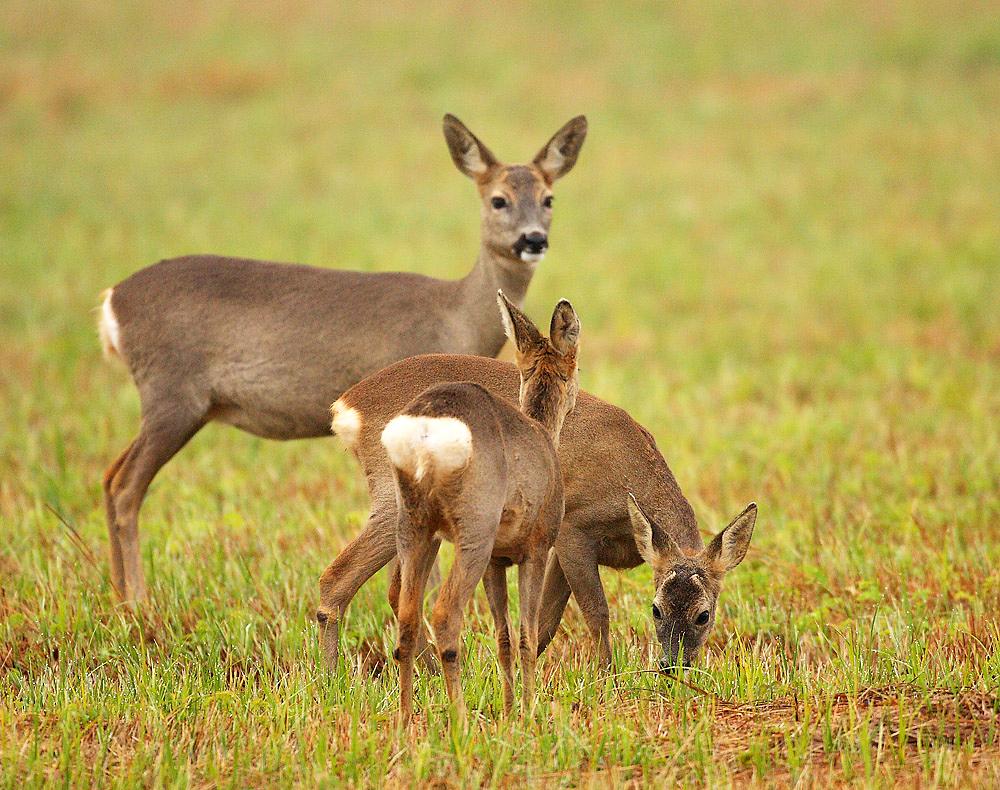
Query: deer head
{"points": [[687, 585], [549, 377], [517, 199]]}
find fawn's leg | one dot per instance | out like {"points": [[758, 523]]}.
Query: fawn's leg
{"points": [[467, 569], [433, 580], [495, 584], [417, 550]]}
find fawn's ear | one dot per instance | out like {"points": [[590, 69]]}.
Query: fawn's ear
{"points": [[729, 547], [655, 546], [469, 155], [519, 328], [564, 331], [559, 154]]}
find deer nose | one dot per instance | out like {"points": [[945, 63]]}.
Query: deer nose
{"points": [[535, 242], [667, 666]]}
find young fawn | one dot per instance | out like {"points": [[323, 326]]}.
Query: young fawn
{"points": [[472, 469], [267, 347], [604, 454]]}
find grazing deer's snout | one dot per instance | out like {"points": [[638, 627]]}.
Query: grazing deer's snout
{"points": [[668, 667], [531, 246]]}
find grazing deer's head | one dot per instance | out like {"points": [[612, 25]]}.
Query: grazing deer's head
{"points": [[517, 199], [687, 585], [549, 378]]}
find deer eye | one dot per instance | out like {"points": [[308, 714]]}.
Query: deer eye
{"points": [[702, 619], [656, 612], [547, 202], [499, 202]]}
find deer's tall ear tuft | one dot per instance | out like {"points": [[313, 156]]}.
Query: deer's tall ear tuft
{"points": [[564, 331], [730, 546], [559, 154], [469, 155], [519, 328]]}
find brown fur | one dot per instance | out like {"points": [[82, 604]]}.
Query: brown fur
{"points": [[603, 453], [504, 507]]}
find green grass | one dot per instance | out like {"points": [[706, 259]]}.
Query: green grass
{"points": [[782, 239]]}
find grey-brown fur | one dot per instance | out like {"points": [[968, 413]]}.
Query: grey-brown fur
{"points": [[603, 453], [503, 508], [267, 347]]}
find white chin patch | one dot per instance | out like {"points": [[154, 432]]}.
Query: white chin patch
{"points": [[531, 257]]}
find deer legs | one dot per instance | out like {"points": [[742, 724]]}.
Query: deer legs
{"points": [[495, 585], [580, 570], [357, 563], [449, 613], [555, 596], [161, 436], [418, 550]]}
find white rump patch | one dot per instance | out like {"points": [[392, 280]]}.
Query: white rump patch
{"points": [[107, 327], [346, 423], [439, 446]]}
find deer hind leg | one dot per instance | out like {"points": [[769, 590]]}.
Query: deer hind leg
{"points": [[495, 584], [579, 564], [555, 595], [362, 558], [433, 581], [161, 436], [417, 551], [467, 569], [114, 548], [529, 584]]}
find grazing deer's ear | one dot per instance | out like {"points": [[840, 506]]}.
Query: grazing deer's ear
{"points": [[729, 547], [559, 154], [655, 546], [519, 328], [564, 331], [469, 155]]}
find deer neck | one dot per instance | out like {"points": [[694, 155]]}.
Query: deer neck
{"points": [[543, 401], [478, 295]]}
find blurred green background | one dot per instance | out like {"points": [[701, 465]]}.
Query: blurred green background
{"points": [[781, 237]]}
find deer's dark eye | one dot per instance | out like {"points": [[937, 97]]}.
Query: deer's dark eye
{"points": [[547, 202], [702, 619], [656, 612], [499, 202]]}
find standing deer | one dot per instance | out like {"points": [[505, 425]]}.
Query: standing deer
{"points": [[470, 468], [604, 455], [267, 347]]}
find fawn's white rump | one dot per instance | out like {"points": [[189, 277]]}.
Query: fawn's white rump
{"points": [[440, 446]]}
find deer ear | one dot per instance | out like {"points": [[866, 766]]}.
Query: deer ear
{"points": [[519, 328], [564, 331], [655, 546], [559, 154], [469, 155], [729, 547]]}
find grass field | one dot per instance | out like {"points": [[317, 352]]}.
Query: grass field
{"points": [[782, 239]]}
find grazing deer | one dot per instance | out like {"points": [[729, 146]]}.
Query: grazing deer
{"points": [[687, 583], [267, 347], [472, 469], [604, 456]]}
